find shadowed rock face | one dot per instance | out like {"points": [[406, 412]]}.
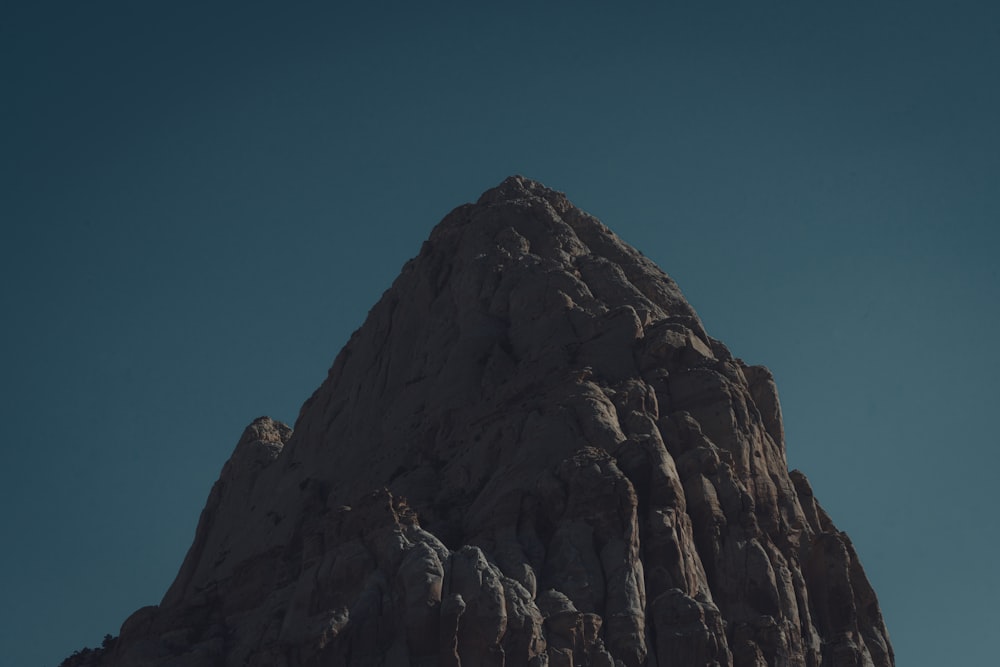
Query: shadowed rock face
{"points": [[531, 453]]}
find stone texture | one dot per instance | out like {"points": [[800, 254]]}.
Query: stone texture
{"points": [[531, 453]]}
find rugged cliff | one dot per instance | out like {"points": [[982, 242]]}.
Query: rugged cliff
{"points": [[531, 453]]}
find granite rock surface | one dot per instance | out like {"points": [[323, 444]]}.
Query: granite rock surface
{"points": [[531, 453]]}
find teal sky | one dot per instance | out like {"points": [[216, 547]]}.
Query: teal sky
{"points": [[200, 201]]}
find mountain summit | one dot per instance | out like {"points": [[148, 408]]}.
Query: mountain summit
{"points": [[531, 453]]}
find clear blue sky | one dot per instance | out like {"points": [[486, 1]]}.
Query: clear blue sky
{"points": [[200, 202]]}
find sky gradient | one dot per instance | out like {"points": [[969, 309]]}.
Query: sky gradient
{"points": [[200, 203]]}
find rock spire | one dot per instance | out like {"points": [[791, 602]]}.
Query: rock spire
{"points": [[530, 454]]}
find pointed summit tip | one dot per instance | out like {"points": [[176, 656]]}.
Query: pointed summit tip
{"points": [[516, 187]]}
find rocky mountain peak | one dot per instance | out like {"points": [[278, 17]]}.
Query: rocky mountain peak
{"points": [[531, 453]]}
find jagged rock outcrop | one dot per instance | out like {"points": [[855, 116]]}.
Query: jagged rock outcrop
{"points": [[531, 453]]}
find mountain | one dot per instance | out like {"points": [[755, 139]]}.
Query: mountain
{"points": [[531, 453]]}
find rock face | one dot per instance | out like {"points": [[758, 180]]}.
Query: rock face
{"points": [[531, 453]]}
